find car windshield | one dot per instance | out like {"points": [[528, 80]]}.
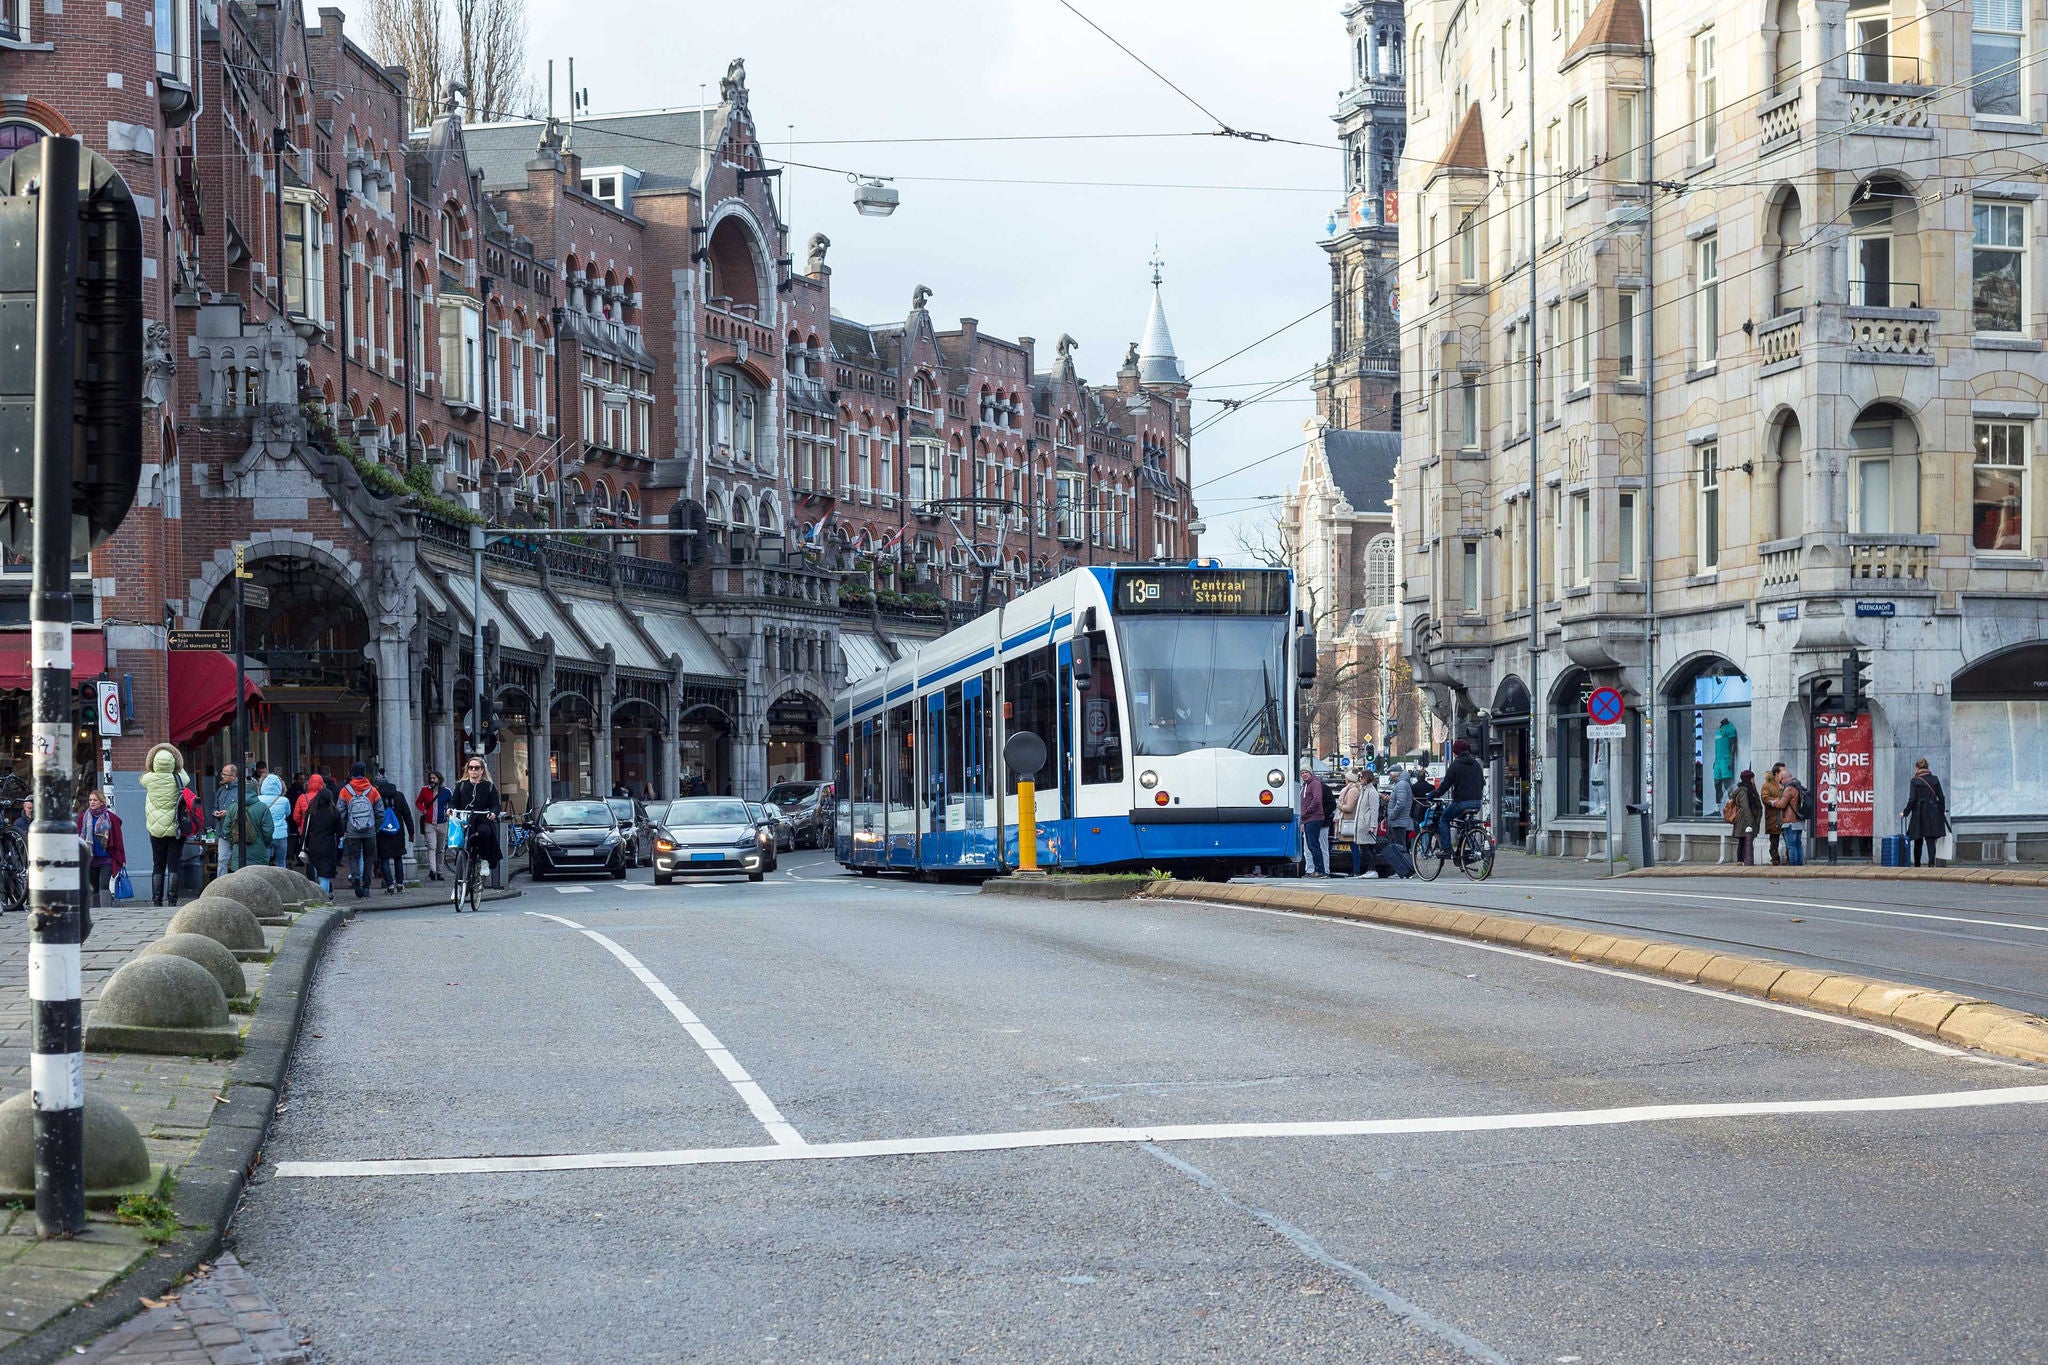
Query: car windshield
{"points": [[1207, 682], [789, 794], [576, 815], [657, 811], [621, 807], [708, 810]]}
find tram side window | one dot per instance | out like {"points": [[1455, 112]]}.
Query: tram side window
{"points": [[1102, 730], [1031, 701], [843, 775], [871, 762], [955, 723], [903, 765]]}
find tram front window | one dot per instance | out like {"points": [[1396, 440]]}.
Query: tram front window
{"points": [[1206, 682]]}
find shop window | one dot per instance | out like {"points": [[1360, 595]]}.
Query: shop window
{"points": [[1708, 711], [1577, 794], [1997, 731]]}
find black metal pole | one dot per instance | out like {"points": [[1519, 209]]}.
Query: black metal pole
{"points": [[56, 923], [1031, 506], [341, 242], [279, 140], [554, 355], [241, 722], [405, 325], [484, 286]]}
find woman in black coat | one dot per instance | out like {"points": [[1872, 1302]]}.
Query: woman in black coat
{"points": [[321, 839], [391, 846], [1926, 811]]}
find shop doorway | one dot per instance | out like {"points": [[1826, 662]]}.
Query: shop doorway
{"points": [[704, 751], [796, 746], [1512, 788]]}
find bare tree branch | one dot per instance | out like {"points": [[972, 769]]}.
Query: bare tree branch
{"points": [[412, 34], [491, 57]]}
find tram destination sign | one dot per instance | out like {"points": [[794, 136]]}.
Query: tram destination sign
{"points": [[1204, 592]]}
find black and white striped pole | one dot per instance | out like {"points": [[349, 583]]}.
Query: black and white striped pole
{"points": [[56, 922]]}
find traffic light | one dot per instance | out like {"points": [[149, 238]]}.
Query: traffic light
{"points": [[487, 735], [106, 442], [1822, 693], [1855, 683]]}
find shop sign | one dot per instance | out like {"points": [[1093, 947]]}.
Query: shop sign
{"points": [[1845, 754]]}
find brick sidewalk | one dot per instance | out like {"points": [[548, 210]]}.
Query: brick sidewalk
{"points": [[220, 1317]]}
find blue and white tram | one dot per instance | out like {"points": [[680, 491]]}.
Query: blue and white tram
{"points": [[1164, 696]]}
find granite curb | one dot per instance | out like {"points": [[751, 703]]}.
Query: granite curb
{"points": [[210, 1183], [1984, 876], [1064, 888], [1954, 1019]]}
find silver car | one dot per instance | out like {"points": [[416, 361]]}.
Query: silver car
{"points": [[708, 835]]}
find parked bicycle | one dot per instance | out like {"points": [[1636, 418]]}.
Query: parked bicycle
{"points": [[13, 845], [1471, 845]]}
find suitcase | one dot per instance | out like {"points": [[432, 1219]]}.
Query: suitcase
{"points": [[1392, 860], [1891, 851]]}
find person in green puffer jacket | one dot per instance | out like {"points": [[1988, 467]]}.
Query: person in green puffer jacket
{"points": [[163, 815]]}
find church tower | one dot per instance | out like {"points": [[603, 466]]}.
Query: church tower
{"points": [[1359, 387]]}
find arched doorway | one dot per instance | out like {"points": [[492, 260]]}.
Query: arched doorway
{"points": [[704, 751], [796, 746], [1997, 732], [307, 648], [572, 747], [1511, 784], [1707, 702], [636, 745]]}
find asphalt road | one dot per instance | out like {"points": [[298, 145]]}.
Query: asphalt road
{"points": [[1987, 942], [965, 1074]]}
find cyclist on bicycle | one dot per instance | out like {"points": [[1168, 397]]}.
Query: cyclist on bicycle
{"points": [[1461, 791], [476, 802]]}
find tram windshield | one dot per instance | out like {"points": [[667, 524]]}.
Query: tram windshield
{"points": [[1206, 682]]}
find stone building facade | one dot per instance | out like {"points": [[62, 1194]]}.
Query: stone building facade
{"points": [[369, 342], [1788, 403]]}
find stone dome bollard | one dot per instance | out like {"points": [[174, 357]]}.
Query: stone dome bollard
{"points": [[162, 1003], [252, 889], [227, 922], [292, 887], [116, 1161], [218, 961]]}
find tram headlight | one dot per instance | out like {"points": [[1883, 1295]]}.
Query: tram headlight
{"points": [[1148, 779], [1276, 778]]}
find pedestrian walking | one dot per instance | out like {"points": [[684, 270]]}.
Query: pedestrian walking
{"points": [[432, 804], [163, 819], [231, 802], [1795, 809], [1316, 863], [1401, 809], [272, 793], [1926, 812], [1772, 791], [320, 834], [359, 800], [394, 833], [1745, 812], [100, 828], [1363, 791], [192, 820]]}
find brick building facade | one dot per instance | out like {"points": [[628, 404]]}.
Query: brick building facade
{"points": [[367, 341]]}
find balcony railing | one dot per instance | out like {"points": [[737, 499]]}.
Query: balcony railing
{"points": [[1779, 570], [1894, 334], [1896, 561], [1887, 106], [1780, 119], [1782, 339]]}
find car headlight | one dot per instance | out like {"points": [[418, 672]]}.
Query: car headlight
{"points": [[1148, 779], [1276, 778], [748, 841], [608, 841], [544, 840], [664, 846]]}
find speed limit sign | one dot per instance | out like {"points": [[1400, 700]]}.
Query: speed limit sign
{"points": [[110, 708]]}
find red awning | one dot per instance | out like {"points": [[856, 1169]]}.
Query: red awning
{"points": [[203, 694], [88, 658]]}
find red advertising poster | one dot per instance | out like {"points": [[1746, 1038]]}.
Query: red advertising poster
{"points": [[1843, 752]]}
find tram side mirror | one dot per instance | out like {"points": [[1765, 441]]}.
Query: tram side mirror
{"points": [[1305, 658], [1084, 661]]}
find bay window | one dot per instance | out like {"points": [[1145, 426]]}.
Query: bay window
{"points": [[1870, 34], [461, 354], [1626, 343], [305, 275], [1580, 346], [1998, 489], [1884, 473], [1469, 579]]}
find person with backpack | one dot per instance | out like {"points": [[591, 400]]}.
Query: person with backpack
{"points": [[1795, 808], [1926, 812], [1401, 810], [394, 832], [360, 817], [1463, 789]]}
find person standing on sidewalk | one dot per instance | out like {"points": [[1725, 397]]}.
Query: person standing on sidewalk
{"points": [[100, 828], [162, 819], [1926, 812], [1795, 809], [1745, 812], [432, 804], [1316, 863], [1773, 791], [394, 833], [320, 833], [272, 796], [1401, 810], [359, 819]]}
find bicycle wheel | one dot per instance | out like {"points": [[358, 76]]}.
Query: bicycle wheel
{"points": [[1475, 853], [1429, 856]]}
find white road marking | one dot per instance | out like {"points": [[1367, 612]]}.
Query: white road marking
{"points": [[1803, 905], [756, 1100], [572, 891], [1172, 1132], [1308, 1246], [1910, 1040]]}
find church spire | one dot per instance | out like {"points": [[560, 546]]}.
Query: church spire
{"points": [[1157, 364]]}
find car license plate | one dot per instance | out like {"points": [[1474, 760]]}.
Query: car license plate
{"points": [[707, 857], [579, 853]]}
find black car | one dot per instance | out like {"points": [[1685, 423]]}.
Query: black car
{"points": [[803, 807], [637, 823], [576, 836], [712, 834]]}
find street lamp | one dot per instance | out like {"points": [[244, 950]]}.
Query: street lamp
{"points": [[873, 195]]}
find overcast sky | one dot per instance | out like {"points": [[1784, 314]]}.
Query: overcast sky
{"points": [[1036, 260]]}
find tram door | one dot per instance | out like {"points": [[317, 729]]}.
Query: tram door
{"points": [[978, 828], [937, 790]]}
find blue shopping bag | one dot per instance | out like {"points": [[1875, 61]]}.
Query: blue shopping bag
{"points": [[123, 888], [455, 833]]}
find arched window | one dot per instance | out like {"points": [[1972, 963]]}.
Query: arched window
{"points": [[1786, 62], [451, 233], [601, 497], [737, 431], [735, 260], [921, 394], [1997, 731], [628, 509], [1884, 233], [1788, 255], [1790, 482], [1708, 705], [16, 134], [1379, 572], [1884, 472]]}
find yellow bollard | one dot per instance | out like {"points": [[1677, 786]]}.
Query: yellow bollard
{"points": [[1027, 827]]}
